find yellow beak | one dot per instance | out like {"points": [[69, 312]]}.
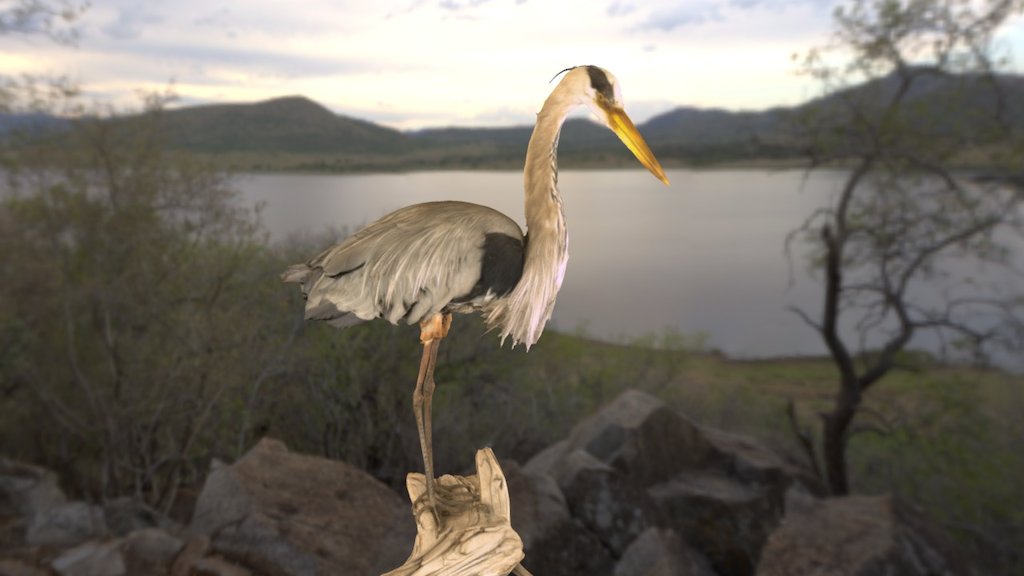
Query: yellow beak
{"points": [[630, 136]]}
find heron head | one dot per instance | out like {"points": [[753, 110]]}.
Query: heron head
{"points": [[599, 91]]}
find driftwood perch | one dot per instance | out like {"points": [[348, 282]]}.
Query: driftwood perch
{"points": [[474, 536]]}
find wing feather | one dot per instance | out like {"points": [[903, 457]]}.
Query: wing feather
{"points": [[405, 266]]}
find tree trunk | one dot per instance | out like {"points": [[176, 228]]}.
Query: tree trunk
{"points": [[837, 423]]}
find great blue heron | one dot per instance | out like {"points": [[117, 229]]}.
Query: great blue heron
{"points": [[423, 262]]}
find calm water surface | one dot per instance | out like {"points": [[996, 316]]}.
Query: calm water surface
{"points": [[703, 255]]}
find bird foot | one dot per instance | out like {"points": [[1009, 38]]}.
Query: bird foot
{"points": [[427, 513], [476, 537], [435, 328]]}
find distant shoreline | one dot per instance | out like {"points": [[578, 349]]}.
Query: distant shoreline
{"points": [[389, 166]]}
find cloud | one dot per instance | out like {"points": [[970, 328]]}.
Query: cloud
{"points": [[130, 21], [412, 7], [218, 20], [350, 54], [204, 60], [455, 5], [697, 13], [504, 116], [274, 63], [620, 8], [682, 16]]}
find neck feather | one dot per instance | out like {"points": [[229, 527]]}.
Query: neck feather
{"points": [[523, 313]]}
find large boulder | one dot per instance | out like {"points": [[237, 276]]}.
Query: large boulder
{"points": [[284, 513], [650, 443], [66, 525], [638, 435], [91, 559], [555, 543], [214, 566], [28, 489], [728, 520], [605, 500], [856, 536], [12, 567], [150, 551], [191, 553], [638, 464], [660, 552], [126, 514]]}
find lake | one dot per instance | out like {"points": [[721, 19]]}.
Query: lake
{"points": [[704, 255]]}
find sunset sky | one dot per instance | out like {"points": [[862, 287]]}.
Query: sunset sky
{"points": [[415, 63]]}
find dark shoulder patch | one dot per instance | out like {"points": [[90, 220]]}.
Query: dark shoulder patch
{"points": [[599, 81], [503, 263], [501, 267]]}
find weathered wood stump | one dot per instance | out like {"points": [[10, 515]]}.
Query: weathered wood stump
{"points": [[471, 533]]}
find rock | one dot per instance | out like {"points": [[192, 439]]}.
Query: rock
{"points": [[194, 550], [66, 525], [28, 489], [126, 514], [648, 442], [637, 463], [660, 552], [12, 533], [729, 521], [91, 559], [555, 544], [540, 507], [545, 461], [605, 501], [751, 462], [217, 567], [638, 435], [150, 550], [11, 567], [279, 512], [854, 536]]}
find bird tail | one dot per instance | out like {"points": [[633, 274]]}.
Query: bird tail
{"points": [[296, 274], [304, 275], [320, 309]]}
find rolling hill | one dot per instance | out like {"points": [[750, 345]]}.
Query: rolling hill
{"points": [[296, 133], [294, 124]]}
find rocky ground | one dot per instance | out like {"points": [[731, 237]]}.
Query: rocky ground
{"points": [[635, 490]]}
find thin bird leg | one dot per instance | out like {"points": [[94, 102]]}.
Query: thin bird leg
{"points": [[426, 433], [432, 331], [417, 407]]}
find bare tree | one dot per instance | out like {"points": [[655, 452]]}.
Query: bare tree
{"points": [[913, 241]]}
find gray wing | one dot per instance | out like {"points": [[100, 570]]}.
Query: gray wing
{"points": [[409, 264]]}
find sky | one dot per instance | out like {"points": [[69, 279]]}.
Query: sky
{"points": [[410, 64]]}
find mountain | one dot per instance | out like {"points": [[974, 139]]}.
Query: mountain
{"points": [[577, 133], [712, 126], [297, 133], [709, 135], [29, 122], [578, 136], [292, 124], [936, 105]]}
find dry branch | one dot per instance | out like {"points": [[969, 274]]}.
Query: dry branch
{"points": [[470, 534]]}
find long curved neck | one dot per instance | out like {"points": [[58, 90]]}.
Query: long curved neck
{"points": [[523, 313], [544, 213]]}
